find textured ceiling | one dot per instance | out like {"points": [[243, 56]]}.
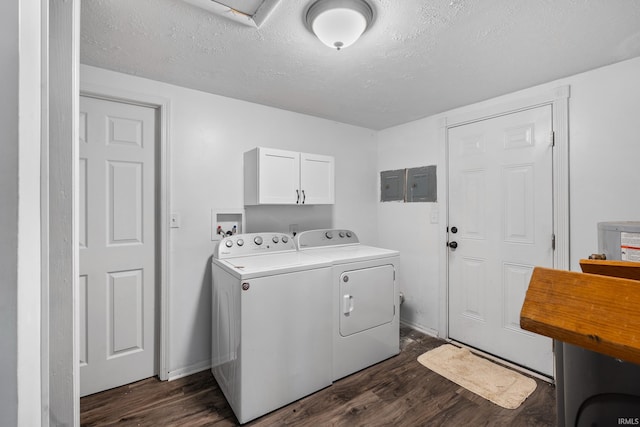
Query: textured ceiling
{"points": [[420, 57]]}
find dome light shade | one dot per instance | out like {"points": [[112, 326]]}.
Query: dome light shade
{"points": [[339, 23]]}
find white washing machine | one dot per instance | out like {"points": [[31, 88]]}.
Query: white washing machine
{"points": [[365, 298], [271, 322]]}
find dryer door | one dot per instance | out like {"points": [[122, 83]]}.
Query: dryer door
{"points": [[366, 299]]}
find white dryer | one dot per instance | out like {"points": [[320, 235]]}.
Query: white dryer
{"points": [[271, 322], [365, 298]]}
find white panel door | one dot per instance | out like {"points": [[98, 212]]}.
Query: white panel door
{"points": [[117, 244], [317, 179], [278, 177], [501, 218]]}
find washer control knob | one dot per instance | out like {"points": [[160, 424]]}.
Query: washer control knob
{"points": [[275, 239], [328, 235], [285, 239], [341, 234], [228, 243], [349, 234], [240, 242], [257, 240]]}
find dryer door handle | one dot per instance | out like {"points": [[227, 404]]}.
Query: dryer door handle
{"points": [[347, 304]]}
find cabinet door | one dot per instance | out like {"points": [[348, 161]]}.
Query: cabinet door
{"points": [[278, 177], [317, 179]]}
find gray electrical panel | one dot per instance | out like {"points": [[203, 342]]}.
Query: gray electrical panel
{"points": [[392, 185], [421, 184], [409, 185]]}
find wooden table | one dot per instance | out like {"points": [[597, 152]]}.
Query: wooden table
{"points": [[598, 310]]}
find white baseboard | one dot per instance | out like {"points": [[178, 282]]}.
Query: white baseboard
{"points": [[189, 370], [420, 328]]}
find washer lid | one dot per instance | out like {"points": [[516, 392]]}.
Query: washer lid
{"points": [[248, 267]]}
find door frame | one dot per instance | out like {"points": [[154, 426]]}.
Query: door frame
{"points": [[162, 179], [60, 385], [558, 99]]}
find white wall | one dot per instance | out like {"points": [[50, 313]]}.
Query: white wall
{"points": [[604, 123], [29, 250], [20, 213], [208, 135], [604, 148], [407, 227]]}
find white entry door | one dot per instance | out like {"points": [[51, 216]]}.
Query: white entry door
{"points": [[501, 220], [117, 244]]}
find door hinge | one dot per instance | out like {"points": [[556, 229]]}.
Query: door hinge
{"points": [[553, 139], [553, 242]]}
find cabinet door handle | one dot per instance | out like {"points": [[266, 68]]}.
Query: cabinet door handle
{"points": [[297, 196], [304, 197]]}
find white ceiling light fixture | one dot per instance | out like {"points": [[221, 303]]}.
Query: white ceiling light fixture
{"points": [[339, 23]]}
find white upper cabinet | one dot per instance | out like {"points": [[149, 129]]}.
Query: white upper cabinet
{"points": [[317, 179], [271, 177], [279, 177]]}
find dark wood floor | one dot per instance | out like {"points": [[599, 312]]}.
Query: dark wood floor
{"points": [[396, 392]]}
